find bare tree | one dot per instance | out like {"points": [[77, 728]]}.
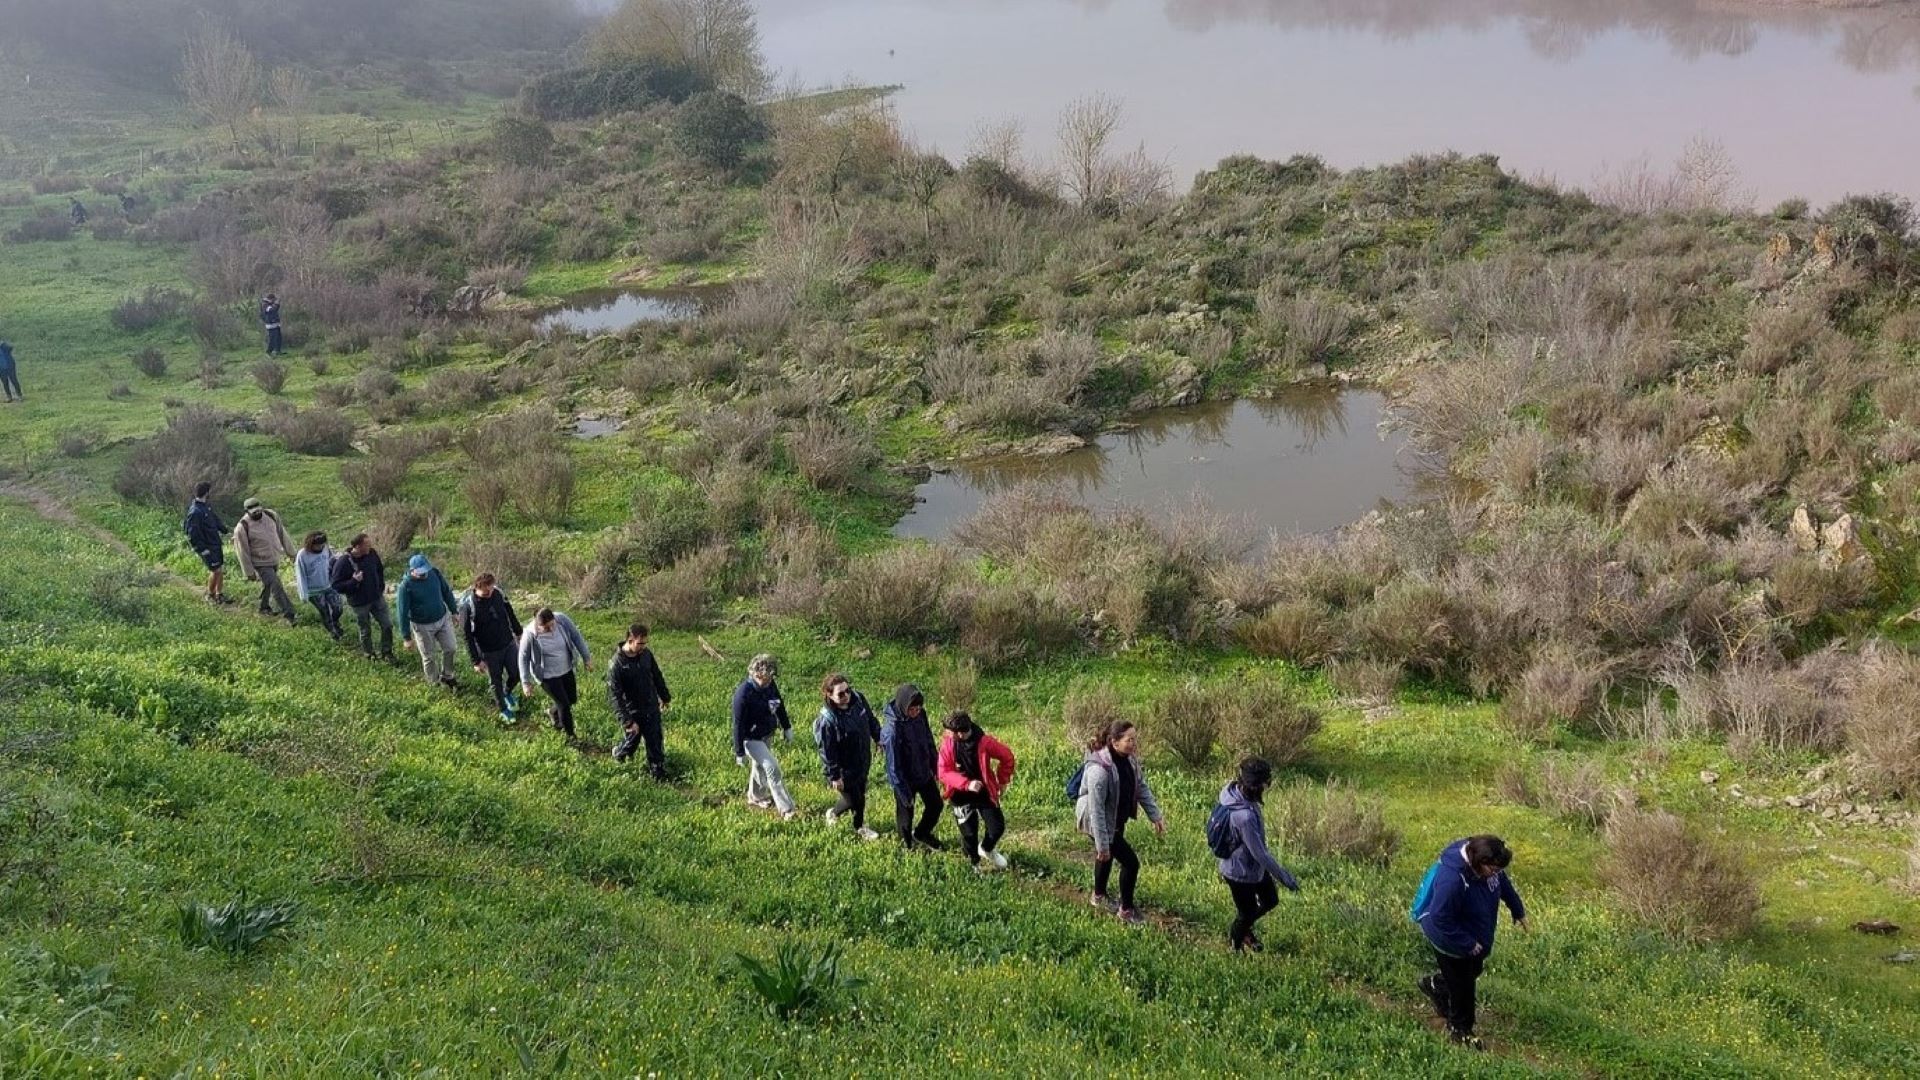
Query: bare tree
{"points": [[221, 78], [999, 141], [292, 90], [1086, 132], [720, 39], [922, 174]]}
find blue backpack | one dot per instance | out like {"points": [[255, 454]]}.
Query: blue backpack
{"points": [[1221, 839], [1424, 896], [1076, 781]]}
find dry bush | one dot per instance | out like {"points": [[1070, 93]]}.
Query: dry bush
{"points": [[1309, 327], [1668, 876], [1409, 623], [213, 369], [1270, 724], [378, 477], [898, 593], [1911, 883], [831, 455], [682, 597], [957, 686], [1364, 680], [1003, 625], [148, 310], [1883, 722], [334, 395], [517, 563], [321, 432], [755, 315], [1796, 709], [150, 362], [192, 447], [541, 485], [394, 526], [1575, 792], [457, 389], [956, 372], [1332, 821], [1304, 632], [1008, 522], [1089, 708], [1564, 684], [376, 384], [1808, 590], [1189, 718], [1780, 336], [270, 376], [800, 561], [486, 493]]}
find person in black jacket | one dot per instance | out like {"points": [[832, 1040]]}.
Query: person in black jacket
{"points": [[847, 732], [912, 766], [207, 535], [492, 632], [10, 374], [639, 695], [758, 711], [360, 577], [270, 321]]}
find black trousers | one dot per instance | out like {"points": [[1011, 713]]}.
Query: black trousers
{"points": [[1458, 983], [10, 379], [853, 799], [503, 674], [1123, 854], [903, 800], [274, 341], [565, 692], [1250, 904], [971, 809], [647, 729]]}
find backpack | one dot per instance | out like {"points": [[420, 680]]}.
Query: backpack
{"points": [[1076, 782], [1424, 896], [1221, 838]]}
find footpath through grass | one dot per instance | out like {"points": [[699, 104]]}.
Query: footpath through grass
{"points": [[466, 888]]}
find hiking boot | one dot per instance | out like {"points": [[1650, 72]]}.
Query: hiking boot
{"points": [[449, 682], [553, 717], [1466, 1040], [657, 772], [789, 815], [620, 758], [865, 833], [513, 703], [1431, 987], [1103, 903], [931, 843], [506, 720], [1131, 916], [291, 621]]}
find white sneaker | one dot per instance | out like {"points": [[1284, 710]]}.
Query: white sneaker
{"points": [[789, 815], [760, 804], [865, 833], [833, 816], [999, 861]]}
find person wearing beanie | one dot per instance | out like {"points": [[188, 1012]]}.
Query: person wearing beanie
{"points": [[912, 762], [263, 544], [424, 606]]}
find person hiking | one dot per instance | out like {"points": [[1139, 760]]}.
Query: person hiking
{"points": [[1247, 865], [1458, 908], [975, 768], [639, 692], [262, 543], [846, 732], [1113, 792], [10, 374], [423, 606], [757, 711], [79, 212], [313, 576], [912, 762], [491, 630], [270, 320], [551, 651], [360, 577], [207, 536]]}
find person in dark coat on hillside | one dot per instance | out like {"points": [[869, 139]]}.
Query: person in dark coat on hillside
{"points": [[491, 629], [1114, 791], [846, 732], [360, 577], [10, 374], [270, 321], [207, 536], [975, 769], [906, 739], [1459, 913], [640, 695], [1251, 872], [757, 711], [79, 212]]}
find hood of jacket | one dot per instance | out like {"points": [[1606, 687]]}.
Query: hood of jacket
{"points": [[903, 697]]}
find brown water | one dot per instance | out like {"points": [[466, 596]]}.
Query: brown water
{"points": [[1807, 101], [1311, 461], [610, 311]]}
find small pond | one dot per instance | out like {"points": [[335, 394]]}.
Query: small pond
{"points": [[610, 311], [595, 427], [1309, 461]]}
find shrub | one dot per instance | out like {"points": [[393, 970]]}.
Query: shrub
{"points": [[1332, 821], [486, 493], [1188, 720], [156, 305], [44, 228], [799, 981], [1883, 722], [1089, 708], [236, 927], [896, 593], [126, 597], [150, 362], [1563, 684], [334, 395], [1002, 625], [1575, 792], [515, 563], [1410, 622], [957, 686], [378, 477], [1778, 710], [800, 559], [213, 369], [394, 526], [542, 485], [457, 390], [1270, 724], [76, 443], [520, 140], [376, 384], [321, 432], [716, 129], [119, 391], [831, 456], [1668, 876], [1371, 681], [614, 85], [193, 447], [681, 597], [1302, 631], [1310, 327]]}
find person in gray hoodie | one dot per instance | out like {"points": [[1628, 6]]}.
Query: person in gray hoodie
{"points": [[313, 574], [1114, 791], [550, 652], [1249, 868]]}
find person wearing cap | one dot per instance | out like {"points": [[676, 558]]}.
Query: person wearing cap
{"points": [[912, 762], [757, 711], [262, 543], [975, 769], [361, 577], [423, 605], [313, 574], [551, 651]]}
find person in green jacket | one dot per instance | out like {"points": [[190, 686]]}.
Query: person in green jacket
{"points": [[424, 603]]}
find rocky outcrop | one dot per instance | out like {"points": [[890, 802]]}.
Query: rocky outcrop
{"points": [[473, 299], [1836, 543]]}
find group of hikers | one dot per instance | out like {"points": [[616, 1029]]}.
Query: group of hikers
{"points": [[964, 771]]}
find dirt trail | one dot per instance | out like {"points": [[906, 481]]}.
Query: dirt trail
{"points": [[56, 511]]}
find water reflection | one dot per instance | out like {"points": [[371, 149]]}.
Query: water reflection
{"points": [[609, 311]]}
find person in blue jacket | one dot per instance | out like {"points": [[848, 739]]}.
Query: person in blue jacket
{"points": [[207, 535], [757, 711], [1251, 872], [10, 374], [912, 766], [846, 732], [1458, 911]]}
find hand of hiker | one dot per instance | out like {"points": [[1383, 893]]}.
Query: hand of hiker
{"points": [[789, 734], [837, 785], [480, 666], [741, 761], [1525, 925], [1160, 827], [976, 785], [407, 645], [1103, 856]]}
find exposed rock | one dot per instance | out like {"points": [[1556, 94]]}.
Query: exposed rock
{"points": [[1881, 927], [1840, 542], [1708, 776], [1904, 956], [1183, 383], [1805, 534]]}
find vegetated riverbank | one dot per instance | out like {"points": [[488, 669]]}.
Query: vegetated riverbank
{"points": [[1637, 406]]}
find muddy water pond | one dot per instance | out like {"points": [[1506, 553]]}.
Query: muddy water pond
{"points": [[609, 311], [1310, 461]]}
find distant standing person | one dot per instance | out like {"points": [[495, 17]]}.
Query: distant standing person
{"points": [[639, 692], [912, 767], [360, 576], [79, 212], [846, 732], [270, 320], [207, 536], [550, 653], [1113, 792], [10, 374], [757, 711], [423, 606], [262, 543], [313, 575], [975, 769], [492, 631], [1247, 865], [1458, 908]]}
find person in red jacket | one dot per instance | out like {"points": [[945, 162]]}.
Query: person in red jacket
{"points": [[975, 768]]}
